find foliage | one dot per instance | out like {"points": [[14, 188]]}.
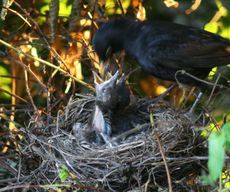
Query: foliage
{"points": [[63, 173], [218, 142], [5, 82]]}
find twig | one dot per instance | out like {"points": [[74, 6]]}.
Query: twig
{"points": [[222, 11], [121, 7], [213, 89], [207, 112], [183, 72], [8, 167], [11, 180], [164, 94], [28, 90], [31, 72], [13, 95], [16, 77], [162, 152], [18, 14], [194, 7], [129, 132]]}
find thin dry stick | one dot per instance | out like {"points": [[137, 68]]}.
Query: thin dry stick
{"points": [[16, 77], [13, 95], [46, 63], [6, 166], [121, 7], [194, 7], [213, 89], [11, 180], [28, 90], [196, 78], [213, 120], [129, 132], [18, 14], [31, 72], [162, 152]]}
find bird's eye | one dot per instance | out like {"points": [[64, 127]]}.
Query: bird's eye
{"points": [[108, 52], [103, 90]]}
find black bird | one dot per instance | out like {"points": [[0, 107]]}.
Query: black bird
{"points": [[164, 49], [112, 96]]}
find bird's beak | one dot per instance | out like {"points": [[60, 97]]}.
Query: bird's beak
{"points": [[104, 66], [123, 78], [97, 79], [114, 78], [112, 81]]}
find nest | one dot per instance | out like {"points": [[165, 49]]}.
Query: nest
{"points": [[133, 162]]}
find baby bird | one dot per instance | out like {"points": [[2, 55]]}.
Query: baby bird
{"points": [[112, 96]]}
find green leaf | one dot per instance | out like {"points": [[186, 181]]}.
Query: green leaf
{"points": [[211, 27], [111, 6], [227, 146], [226, 133], [63, 173], [226, 130], [216, 154]]}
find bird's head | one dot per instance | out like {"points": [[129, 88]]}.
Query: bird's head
{"points": [[112, 94], [110, 37], [102, 44], [105, 89]]}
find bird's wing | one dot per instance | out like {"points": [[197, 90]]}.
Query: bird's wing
{"points": [[188, 47]]}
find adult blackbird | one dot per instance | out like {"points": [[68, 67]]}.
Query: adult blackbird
{"points": [[164, 49]]}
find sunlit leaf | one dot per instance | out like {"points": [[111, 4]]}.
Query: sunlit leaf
{"points": [[211, 127], [64, 9], [4, 72], [63, 173], [3, 94], [113, 8], [211, 27], [226, 133], [221, 8], [225, 32], [216, 155], [4, 82], [212, 73], [171, 3], [226, 130]]}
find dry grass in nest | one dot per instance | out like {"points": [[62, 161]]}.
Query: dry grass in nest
{"points": [[134, 162]]}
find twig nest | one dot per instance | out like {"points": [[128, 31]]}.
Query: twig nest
{"points": [[134, 160]]}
